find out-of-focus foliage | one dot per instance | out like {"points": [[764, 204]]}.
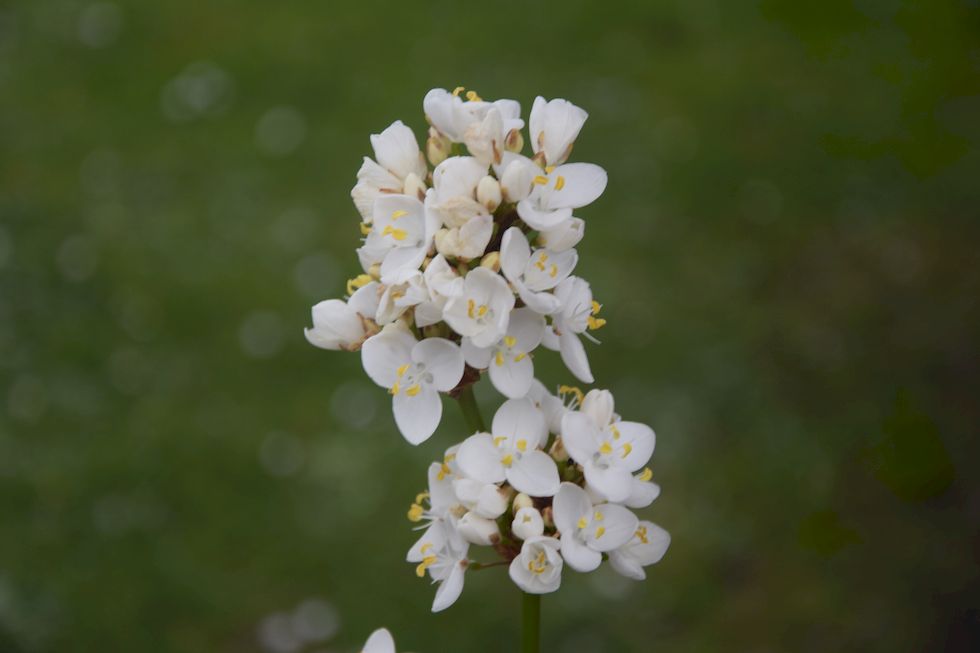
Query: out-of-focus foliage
{"points": [[786, 254]]}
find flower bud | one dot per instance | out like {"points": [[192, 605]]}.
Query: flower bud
{"points": [[478, 530], [563, 237], [488, 193], [335, 325], [437, 147], [547, 515], [514, 141], [598, 404], [522, 501], [558, 451], [491, 262], [515, 182], [414, 186], [440, 240], [527, 523]]}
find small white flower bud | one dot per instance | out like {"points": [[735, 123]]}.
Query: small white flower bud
{"points": [[488, 193], [515, 183], [478, 530], [414, 186], [563, 237], [558, 451], [522, 501], [598, 404], [441, 240], [514, 141], [437, 147], [491, 262], [527, 523]]}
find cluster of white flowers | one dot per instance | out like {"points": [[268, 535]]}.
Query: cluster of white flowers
{"points": [[467, 268]]}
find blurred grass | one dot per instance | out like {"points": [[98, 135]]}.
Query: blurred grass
{"points": [[786, 254]]}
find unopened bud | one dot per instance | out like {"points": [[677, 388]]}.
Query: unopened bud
{"points": [[437, 147], [514, 141], [414, 186], [488, 193], [440, 239], [598, 404], [522, 501], [491, 261], [527, 523], [558, 451], [478, 530]]}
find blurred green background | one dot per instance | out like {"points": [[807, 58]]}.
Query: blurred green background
{"points": [[786, 252]]}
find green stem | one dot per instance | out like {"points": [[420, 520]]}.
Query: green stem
{"points": [[471, 411], [531, 624]]}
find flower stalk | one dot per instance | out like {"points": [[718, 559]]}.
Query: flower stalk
{"points": [[531, 623]]}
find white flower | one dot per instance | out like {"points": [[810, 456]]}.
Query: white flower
{"points": [[478, 530], [647, 546], [575, 315], [556, 191], [588, 531], [537, 569], [509, 360], [400, 168], [564, 236], [380, 641], [466, 242], [483, 126], [400, 236], [552, 407], [512, 451], [343, 325], [453, 194], [554, 126], [516, 173], [441, 283], [399, 297], [534, 274], [527, 523], [415, 372], [443, 553], [482, 311], [610, 454], [643, 491]]}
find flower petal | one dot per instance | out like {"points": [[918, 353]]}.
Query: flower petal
{"points": [[382, 354], [476, 357], [579, 435], [573, 355], [520, 419], [442, 359], [380, 641], [514, 253], [480, 460], [641, 440], [542, 219], [619, 525], [613, 483], [534, 473], [418, 417], [450, 589], [578, 556], [570, 504], [584, 183], [512, 378]]}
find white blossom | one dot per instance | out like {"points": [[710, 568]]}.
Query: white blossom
{"points": [[647, 546], [557, 191], [482, 311], [537, 569], [344, 325], [400, 168], [511, 369], [588, 531], [527, 523], [533, 274], [554, 126], [442, 552]]}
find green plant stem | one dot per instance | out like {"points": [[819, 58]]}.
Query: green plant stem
{"points": [[531, 623], [471, 411]]}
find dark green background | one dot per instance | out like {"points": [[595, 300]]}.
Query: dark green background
{"points": [[786, 252]]}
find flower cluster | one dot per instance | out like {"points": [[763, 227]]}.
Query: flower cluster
{"points": [[467, 268]]}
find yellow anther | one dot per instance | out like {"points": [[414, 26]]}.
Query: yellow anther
{"points": [[413, 390], [399, 213], [570, 389], [365, 228], [599, 532], [646, 474], [482, 310], [427, 562], [499, 359], [470, 307], [595, 323], [472, 96], [540, 180], [538, 565], [425, 548], [615, 432], [359, 281], [397, 234], [554, 271], [596, 307], [395, 389], [449, 457], [401, 370], [627, 449], [641, 533], [421, 496], [510, 341], [458, 90], [605, 448], [582, 523], [507, 460], [549, 169], [498, 440], [559, 183], [598, 516], [522, 445], [520, 357], [415, 513], [443, 471], [540, 262]]}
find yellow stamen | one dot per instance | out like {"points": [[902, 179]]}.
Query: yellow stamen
{"points": [[499, 359], [570, 389], [472, 96], [595, 323], [470, 307], [596, 307], [395, 389], [458, 90], [554, 271], [646, 474], [482, 310], [510, 341], [449, 457], [507, 460], [599, 532], [401, 370], [641, 533], [365, 229], [549, 169], [582, 523], [627, 449], [399, 213], [413, 390], [559, 183], [540, 180], [606, 448], [397, 234], [540, 262], [415, 513], [421, 496], [615, 431], [522, 445], [598, 516], [359, 281], [498, 440], [426, 547], [520, 357], [427, 562], [443, 471]]}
